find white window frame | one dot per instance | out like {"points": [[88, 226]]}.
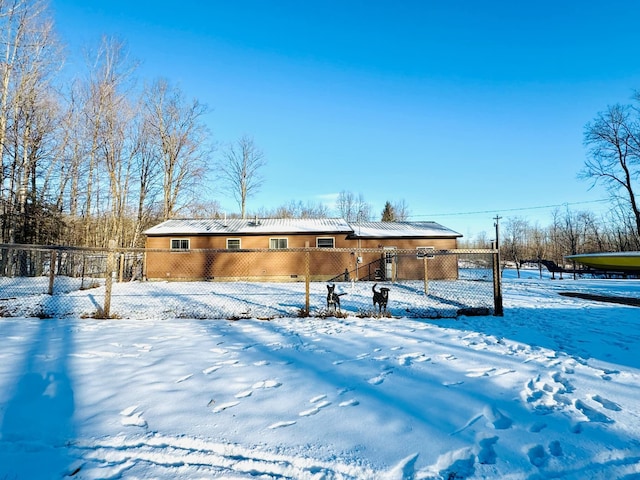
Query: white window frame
{"points": [[333, 242], [278, 239], [180, 248], [239, 240]]}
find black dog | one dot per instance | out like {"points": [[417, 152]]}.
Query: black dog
{"points": [[333, 299], [380, 297]]}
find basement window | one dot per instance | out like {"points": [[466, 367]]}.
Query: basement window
{"points": [[180, 244]]}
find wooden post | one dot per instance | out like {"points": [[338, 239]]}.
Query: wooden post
{"points": [[121, 269], [109, 279], [426, 276], [144, 265], [52, 271], [307, 280]]}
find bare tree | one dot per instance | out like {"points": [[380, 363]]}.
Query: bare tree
{"points": [[352, 208], [613, 141], [28, 110], [346, 206], [105, 146], [401, 210], [514, 240], [147, 178], [241, 170], [182, 140]]}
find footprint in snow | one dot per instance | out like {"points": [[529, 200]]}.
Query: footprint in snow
{"points": [[224, 406], [591, 413], [244, 394], [555, 448], [281, 424], [537, 456], [349, 403], [409, 358], [319, 403], [452, 384], [479, 372], [266, 384], [308, 413], [537, 427], [219, 351], [558, 378], [448, 356], [378, 379], [131, 418], [498, 419], [487, 454], [212, 369], [186, 377], [608, 404]]}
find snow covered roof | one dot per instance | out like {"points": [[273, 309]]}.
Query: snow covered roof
{"points": [[265, 226], [401, 230], [260, 226]]}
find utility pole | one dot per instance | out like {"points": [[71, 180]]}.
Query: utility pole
{"points": [[497, 280]]}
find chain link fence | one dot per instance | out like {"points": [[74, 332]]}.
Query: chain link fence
{"points": [[38, 281]]}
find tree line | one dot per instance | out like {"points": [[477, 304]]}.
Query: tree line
{"points": [[612, 143], [98, 156], [94, 157], [103, 155], [570, 232]]}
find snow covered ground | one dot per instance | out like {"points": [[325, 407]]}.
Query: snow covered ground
{"points": [[233, 300], [550, 390]]}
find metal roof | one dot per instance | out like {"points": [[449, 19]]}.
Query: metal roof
{"points": [[401, 230], [260, 226], [266, 226]]}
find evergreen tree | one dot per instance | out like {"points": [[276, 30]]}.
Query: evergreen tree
{"points": [[389, 213]]}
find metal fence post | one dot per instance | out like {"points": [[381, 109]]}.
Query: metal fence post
{"points": [[497, 285], [111, 255]]}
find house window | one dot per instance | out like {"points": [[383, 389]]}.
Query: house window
{"points": [[325, 242], [233, 244], [278, 243], [179, 244]]}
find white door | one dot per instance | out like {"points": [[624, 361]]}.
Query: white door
{"points": [[389, 261]]}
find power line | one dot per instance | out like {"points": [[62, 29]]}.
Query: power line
{"points": [[506, 210]]}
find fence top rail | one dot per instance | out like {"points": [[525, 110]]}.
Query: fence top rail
{"points": [[401, 251], [48, 248], [412, 251]]}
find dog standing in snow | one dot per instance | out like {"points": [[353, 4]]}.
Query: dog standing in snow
{"points": [[381, 297], [333, 298]]}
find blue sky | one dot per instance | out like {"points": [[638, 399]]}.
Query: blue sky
{"points": [[463, 109]]}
